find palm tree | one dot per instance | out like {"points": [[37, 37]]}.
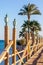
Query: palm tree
{"points": [[29, 10], [22, 32], [35, 27], [26, 27]]}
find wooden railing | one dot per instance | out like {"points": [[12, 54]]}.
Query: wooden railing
{"points": [[29, 49], [2, 56], [27, 52]]}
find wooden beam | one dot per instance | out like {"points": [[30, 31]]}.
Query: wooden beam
{"points": [[14, 47]]}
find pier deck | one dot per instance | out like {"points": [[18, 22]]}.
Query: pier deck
{"points": [[36, 59]]}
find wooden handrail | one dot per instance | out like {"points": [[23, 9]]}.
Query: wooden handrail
{"points": [[2, 56], [5, 51], [38, 46], [26, 47], [9, 46]]}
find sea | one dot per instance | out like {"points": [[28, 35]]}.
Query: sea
{"points": [[2, 46]]}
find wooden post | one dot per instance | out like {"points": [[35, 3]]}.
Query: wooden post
{"points": [[14, 44], [14, 47], [6, 43]]}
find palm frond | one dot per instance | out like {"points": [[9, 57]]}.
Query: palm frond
{"points": [[22, 13], [35, 25], [21, 34], [35, 12], [29, 9]]}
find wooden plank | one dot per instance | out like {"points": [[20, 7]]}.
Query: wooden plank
{"points": [[9, 46], [30, 61], [2, 56], [39, 64], [14, 47]]}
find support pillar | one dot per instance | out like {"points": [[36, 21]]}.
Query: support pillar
{"points": [[6, 43], [6, 39], [14, 44]]}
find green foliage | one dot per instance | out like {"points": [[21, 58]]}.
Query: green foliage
{"points": [[29, 9], [34, 26]]}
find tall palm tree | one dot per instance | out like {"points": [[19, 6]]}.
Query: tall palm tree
{"points": [[35, 27], [29, 10]]}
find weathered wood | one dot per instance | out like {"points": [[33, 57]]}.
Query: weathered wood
{"points": [[6, 43], [14, 47], [5, 54], [9, 56], [18, 52], [35, 56], [23, 56], [9, 46], [2, 56], [20, 57]]}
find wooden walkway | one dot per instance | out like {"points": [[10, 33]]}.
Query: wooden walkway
{"points": [[36, 59]]}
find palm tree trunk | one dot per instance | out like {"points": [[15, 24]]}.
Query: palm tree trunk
{"points": [[36, 38], [28, 34], [28, 17], [28, 27], [26, 37], [32, 36]]}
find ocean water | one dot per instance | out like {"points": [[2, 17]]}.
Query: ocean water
{"points": [[1, 46], [1, 49], [10, 52]]}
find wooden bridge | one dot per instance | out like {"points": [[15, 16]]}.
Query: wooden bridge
{"points": [[36, 59], [31, 55]]}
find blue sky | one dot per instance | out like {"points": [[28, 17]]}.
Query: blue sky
{"points": [[12, 8]]}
